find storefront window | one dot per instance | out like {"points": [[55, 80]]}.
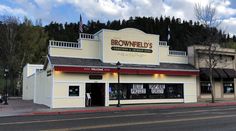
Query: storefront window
{"points": [[228, 87], [205, 88], [146, 91], [73, 90]]}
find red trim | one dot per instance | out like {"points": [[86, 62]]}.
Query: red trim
{"points": [[123, 71]]}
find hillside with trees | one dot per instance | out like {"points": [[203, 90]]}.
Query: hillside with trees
{"points": [[24, 42], [183, 33]]}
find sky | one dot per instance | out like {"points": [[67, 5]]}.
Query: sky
{"points": [[103, 10]]}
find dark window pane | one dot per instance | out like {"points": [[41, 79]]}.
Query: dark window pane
{"points": [[73, 90], [113, 92], [146, 91], [228, 87], [205, 87]]}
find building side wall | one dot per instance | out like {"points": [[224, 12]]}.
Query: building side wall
{"points": [[25, 84], [191, 56], [100, 48], [29, 80], [218, 89], [165, 57], [61, 95], [90, 49], [63, 80], [224, 62], [43, 88], [225, 59], [99, 36], [28, 87], [218, 93]]}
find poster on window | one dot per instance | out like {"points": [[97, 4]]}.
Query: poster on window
{"points": [[157, 88], [138, 89]]}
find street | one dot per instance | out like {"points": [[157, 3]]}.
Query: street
{"points": [[184, 119]]}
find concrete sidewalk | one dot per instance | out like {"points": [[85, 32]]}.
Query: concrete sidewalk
{"points": [[18, 107]]}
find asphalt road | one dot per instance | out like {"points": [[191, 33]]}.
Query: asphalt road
{"points": [[182, 119]]}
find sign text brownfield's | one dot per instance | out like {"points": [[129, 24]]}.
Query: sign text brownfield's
{"points": [[131, 46], [128, 43]]}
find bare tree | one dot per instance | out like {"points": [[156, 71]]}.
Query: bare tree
{"points": [[208, 18]]}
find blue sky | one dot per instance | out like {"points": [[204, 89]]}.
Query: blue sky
{"points": [[103, 10]]}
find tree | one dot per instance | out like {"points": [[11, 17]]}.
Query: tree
{"points": [[208, 18], [9, 44], [20, 43]]}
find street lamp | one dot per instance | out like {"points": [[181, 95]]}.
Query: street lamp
{"points": [[6, 90], [118, 64]]}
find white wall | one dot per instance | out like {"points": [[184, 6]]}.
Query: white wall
{"points": [[129, 57], [63, 80], [43, 89], [29, 80], [165, 57], [28, 88]]}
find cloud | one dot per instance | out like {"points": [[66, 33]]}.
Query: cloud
{"points": [[41, 9], [104, 10], [120, 9], [6, 10], [116, 9], [229, 25]]}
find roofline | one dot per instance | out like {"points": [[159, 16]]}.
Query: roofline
{"points": [[33, 65], [197, 70]]}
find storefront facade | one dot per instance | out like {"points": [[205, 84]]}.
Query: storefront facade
{"points": [[224, 73], [76, 72]]}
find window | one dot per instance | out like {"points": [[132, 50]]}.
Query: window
{"points": [[228, 87], [205, 88], [146, 91], [73, 90]]}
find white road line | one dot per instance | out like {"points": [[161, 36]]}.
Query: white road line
{"points": [[142, 123], [72, 119], [110, 116], [198, 111]]}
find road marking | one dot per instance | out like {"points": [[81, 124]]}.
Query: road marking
{"points": [[197, 111], [72, 119], [141, 123]]}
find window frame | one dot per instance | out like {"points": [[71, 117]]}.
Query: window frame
{"points": [[167, 94], [78, 90], [208, 82], [228, 82]]}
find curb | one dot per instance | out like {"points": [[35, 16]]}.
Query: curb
{"points": [[131, 108]]}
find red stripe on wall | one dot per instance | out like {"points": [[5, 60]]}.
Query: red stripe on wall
{"points": [[123, 71]]}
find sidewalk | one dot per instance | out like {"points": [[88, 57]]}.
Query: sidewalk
{"points": [[18, 107]]}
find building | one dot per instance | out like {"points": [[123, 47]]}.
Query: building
{"points": [[224, 73], [84, 73], [29, 79]]}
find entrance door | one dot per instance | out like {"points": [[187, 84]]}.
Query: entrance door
{"points": [[97, 93]]}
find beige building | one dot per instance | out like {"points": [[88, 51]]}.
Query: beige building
{"points": [[84, 73], [224, 72]]}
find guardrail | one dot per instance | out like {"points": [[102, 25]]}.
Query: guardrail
{"points": [[177, 53], [64, 44], [163, 43]]}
